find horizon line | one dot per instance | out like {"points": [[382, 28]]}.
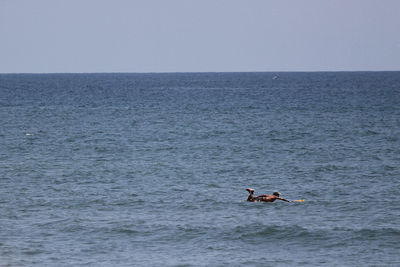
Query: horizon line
{"points": [[188, 72]]}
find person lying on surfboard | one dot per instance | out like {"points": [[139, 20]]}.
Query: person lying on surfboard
{"points": [[264, 198]]}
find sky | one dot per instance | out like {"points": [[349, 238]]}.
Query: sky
{"points": [[60, 36]]}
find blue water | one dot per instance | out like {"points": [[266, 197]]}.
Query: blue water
{"points": [[151, 169]]}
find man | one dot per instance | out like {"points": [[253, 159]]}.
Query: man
{"points": [[264, 198]]}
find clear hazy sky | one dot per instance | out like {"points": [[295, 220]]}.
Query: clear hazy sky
{"points": [[39, 36]]}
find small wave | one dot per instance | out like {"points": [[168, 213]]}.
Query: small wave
{"points": [[212, 185], [378, 233], [296, 231], [179, 188], [185, 232], [125, 231], [278, 231], [327, 167], [106, 230], [388, 231], [370, 132], [73, 228], [261, 232], [33, 252], [52, 222]]}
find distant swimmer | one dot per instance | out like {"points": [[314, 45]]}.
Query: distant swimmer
{"points": [[264, 198]]}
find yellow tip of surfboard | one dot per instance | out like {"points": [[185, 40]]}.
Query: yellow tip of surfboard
{"points": [[299, 200]]}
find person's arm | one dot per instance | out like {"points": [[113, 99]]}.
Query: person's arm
{"points": [[283, 199]]}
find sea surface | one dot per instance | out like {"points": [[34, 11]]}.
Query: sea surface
{"points": [[151, 169]]}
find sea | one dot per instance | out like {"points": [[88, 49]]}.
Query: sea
{"points": [[150, 169]]}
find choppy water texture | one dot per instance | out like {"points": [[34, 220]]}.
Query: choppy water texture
{"points": [[150, 169]]}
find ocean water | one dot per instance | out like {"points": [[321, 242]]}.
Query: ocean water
{"points": [[151, 169]]}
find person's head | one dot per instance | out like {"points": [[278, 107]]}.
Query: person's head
{"points": [[276, 194], [250, 190]]}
